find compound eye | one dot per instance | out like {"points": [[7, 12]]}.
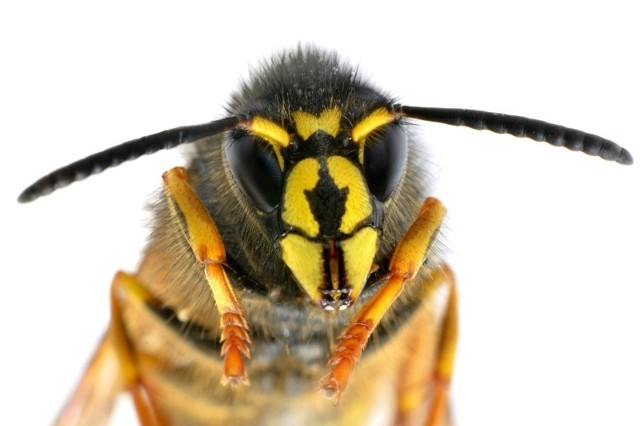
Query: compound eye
{"points": [[255, 169], [385, 154]]}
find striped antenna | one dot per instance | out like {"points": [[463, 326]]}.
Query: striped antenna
{"points": [[523, 127], [127, 151]]}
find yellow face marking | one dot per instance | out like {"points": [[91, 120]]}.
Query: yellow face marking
{"points": [[304, 258], [269, 131], [359, 252], [296, 210], [358, 204], [377, 118], [307, 124]]}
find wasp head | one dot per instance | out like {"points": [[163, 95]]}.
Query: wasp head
{"points": [[323, 168]]}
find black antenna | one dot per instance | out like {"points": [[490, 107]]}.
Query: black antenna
{"points": [[523, 127], [127, 151]]}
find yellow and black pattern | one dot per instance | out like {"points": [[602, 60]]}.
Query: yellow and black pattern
{"points": [[326, 209]]}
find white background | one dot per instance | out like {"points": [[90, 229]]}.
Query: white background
{"points": [[544, 241]]}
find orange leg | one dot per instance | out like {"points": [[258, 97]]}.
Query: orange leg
{"points": [[406, 261], [208, 248], [93, 399], [426, 393], [113, 368], [445, 356]]}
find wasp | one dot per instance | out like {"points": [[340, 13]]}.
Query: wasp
{"points": [[296, 258]]}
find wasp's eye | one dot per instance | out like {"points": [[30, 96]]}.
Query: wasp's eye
{"points": [[255, 169], [385, 154]]}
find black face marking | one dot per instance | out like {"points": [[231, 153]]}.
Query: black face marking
{"points": [[327, 203]]}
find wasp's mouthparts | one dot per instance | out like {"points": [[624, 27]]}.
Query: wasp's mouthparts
{"points": [[336, 291], [332, 271]]}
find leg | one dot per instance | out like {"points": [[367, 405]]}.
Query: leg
{"points": [[445, 356], [406, 261], [114, 366], [208, 248], [424, 394], [112, 369], [93, 398]]}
